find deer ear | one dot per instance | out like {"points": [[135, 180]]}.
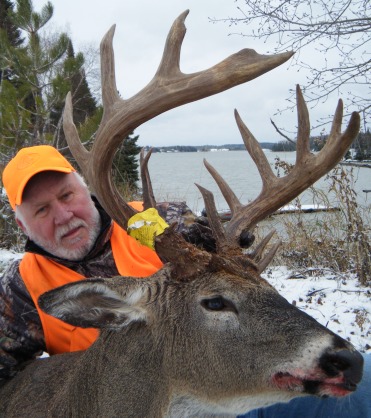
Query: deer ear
{"points": [[93, 304]]}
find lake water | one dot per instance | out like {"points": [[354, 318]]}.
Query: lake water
{"points": [[174, 176]]}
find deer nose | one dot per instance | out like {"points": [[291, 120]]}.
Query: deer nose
{"points": [[349, 363]]}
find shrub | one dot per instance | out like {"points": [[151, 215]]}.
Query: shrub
{"points": [[336, 240]]}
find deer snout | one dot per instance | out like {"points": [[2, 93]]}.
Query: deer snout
{"points": [[337, 373], [345, 362]]}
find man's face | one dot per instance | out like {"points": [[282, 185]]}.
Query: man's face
{"points": [[58, 214]]}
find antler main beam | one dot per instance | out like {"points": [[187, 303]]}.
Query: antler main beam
{"points": [[168, 89]]}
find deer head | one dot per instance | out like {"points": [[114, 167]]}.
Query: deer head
{"points": [[207, 328]]}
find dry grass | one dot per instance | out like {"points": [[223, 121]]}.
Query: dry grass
{"points": [[336, 241]]}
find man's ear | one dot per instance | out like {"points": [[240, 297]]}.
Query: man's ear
{"points": [[20, 224]]}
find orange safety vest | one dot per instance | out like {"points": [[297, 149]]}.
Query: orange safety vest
{"points": [[41, 274]]}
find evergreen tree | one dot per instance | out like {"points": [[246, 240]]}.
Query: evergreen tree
{"points": [[71, 79], [125, 165], [10, 37], [84, 104], [41, 59], [90, 126], [34, 65], [13, 91], [44, 69], [363, 146], [284, 146], [12, 32]]}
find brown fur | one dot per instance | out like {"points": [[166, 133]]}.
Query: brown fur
{"points": [[161, 353]]}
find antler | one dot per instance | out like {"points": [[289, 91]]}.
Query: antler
{"points": [[168, 89], [276, 192], [148, 195]]}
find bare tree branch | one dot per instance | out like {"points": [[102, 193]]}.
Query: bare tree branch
{"points": [[281, 133], [337, 32]]}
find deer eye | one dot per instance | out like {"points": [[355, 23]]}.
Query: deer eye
{"points": [[218, 303]]}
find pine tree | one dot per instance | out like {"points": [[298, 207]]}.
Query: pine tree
{"points": [[36, 63], [84, 104], [13, 91], [71, 79], [31, 105], [125, 165], [363, 146], [10, 36], [34, 99], [13, 33]]}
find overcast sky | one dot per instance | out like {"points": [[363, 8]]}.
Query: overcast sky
{"points": [[141, 30]]}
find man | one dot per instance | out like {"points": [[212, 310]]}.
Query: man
{"points": [[70, 237]]}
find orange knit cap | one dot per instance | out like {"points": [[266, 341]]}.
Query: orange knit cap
{"points": [[28, 162]]}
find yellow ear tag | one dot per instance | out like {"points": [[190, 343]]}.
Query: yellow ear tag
{"points": [[145, 226]]}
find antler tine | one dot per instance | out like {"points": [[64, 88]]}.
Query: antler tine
{"points": [[256, 153], [309, 168], [168, 89], [78, 150], [215, 222], [231, 199], [148, 195], [302, 143], [268, 257], [256, 255], [170, 63], [260, 160], [336, 123], [351, 130], [110, 93]]}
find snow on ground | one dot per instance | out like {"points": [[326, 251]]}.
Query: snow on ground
{"points": [[339, 303]]}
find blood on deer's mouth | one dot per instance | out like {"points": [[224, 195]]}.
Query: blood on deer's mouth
{"points": [[327, 386]]}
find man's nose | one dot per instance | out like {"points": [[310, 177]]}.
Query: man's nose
{"points": [[62, 214]]}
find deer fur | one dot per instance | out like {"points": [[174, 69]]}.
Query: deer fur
{"points": [[163, 353]]}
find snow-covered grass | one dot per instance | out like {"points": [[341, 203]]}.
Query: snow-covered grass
{"points": [[339, 303]]}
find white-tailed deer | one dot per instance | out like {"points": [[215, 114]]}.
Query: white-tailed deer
{"points": [[206, 334]]}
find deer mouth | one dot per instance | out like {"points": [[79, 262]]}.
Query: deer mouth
{"points": [[314, 385]]}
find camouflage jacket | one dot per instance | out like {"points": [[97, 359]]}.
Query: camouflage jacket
{"points": [[21, 333]]}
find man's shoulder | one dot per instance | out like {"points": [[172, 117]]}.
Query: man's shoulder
{"points": [[12, 267]]}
